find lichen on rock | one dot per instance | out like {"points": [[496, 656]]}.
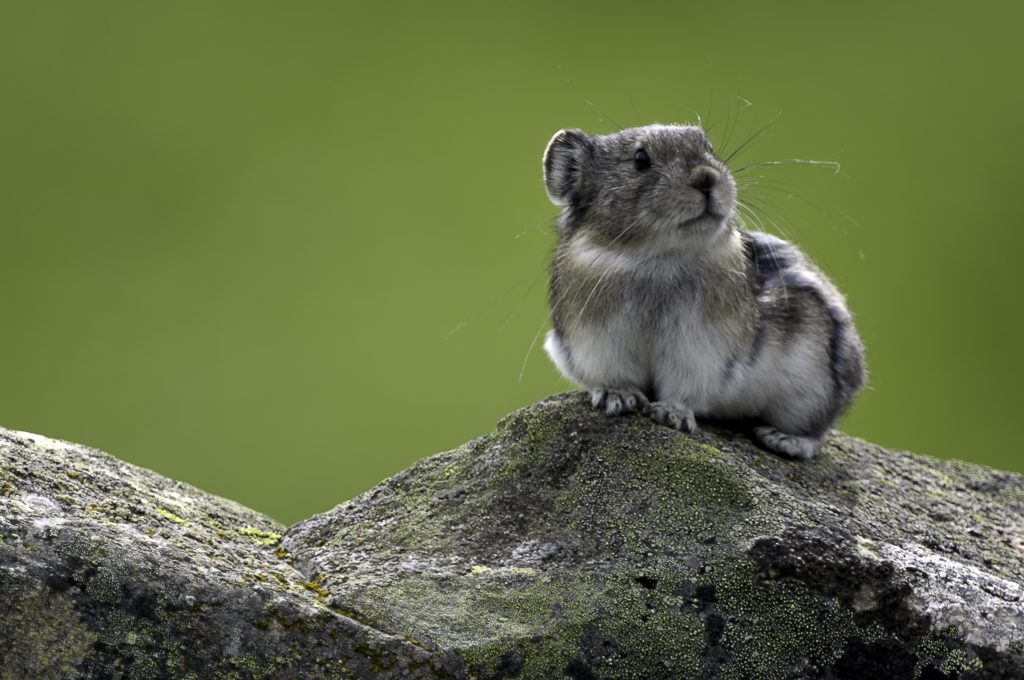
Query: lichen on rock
{"points": [[570, 544], [565, 544], [110, 570]]}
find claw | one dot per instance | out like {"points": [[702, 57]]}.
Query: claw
{"points": [[616, 402], [674, 415]]}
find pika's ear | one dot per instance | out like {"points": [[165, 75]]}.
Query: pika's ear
{"points": [[563, 160]]}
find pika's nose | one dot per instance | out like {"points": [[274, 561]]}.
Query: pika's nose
{"points": [[704, 178]]}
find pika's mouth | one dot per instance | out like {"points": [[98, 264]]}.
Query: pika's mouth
{"points": [[714, 209], [708, 215]]}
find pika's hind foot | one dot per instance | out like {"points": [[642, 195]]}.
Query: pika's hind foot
{"points": [[791, 445], [616, 402], [673, 414]]}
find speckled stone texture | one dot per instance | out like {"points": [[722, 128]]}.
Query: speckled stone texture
{"points": [[108, 570], [566, 544]]}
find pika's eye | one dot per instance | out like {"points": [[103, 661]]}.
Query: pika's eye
{"points": [[641, 160]]}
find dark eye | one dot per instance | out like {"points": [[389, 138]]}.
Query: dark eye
{"points": [[641, 159]]}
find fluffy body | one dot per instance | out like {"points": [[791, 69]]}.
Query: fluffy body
{"points": [[662, 303]]}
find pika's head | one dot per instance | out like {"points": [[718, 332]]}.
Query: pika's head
{"points": [[652, 184]]}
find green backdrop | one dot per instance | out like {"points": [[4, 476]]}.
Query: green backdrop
{"points": [[282, 250]]}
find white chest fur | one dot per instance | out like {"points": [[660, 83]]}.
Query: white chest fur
{"points": [[678, 357], [663, 333]]}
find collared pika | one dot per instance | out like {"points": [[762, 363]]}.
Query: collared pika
{"points": [[662, 303]]}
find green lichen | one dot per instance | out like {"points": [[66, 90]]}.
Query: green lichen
{"points": [[260, 536], [103, 587], [564, 538], [170, 516], [50, 639], [776, 623], [315, 586], [633, 502]]}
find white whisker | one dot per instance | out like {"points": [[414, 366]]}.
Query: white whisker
{"points": [[791, 161]]}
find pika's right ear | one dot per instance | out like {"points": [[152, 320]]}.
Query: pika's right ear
{"points": [[563, 161]]}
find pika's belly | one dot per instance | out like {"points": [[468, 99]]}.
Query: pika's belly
{"points": [[615, 355], [676, 361], [695, 364]]}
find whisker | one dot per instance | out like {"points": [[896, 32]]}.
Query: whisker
{"points": [[522, 369], [636, 113], [607, 118], [540, 329], [755, 186], [764, 213], [711, 103], [747, 213], [789, 161], [758, 216], [752, 137], [735, 119], [546, 225], [522, 299]]}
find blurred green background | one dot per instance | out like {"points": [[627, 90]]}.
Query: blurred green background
{"points": [[282, 250]]}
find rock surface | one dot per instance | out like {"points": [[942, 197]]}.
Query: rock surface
{"points": [[565, 544], [108, 570]]}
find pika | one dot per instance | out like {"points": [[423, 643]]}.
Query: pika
{"points": [[661, 302]]}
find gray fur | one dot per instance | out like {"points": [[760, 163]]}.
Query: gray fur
{"points": [[661, 302]]}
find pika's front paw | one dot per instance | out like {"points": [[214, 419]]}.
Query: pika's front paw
{"points": [[673, 414], [616, 402], [791, 445]]}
